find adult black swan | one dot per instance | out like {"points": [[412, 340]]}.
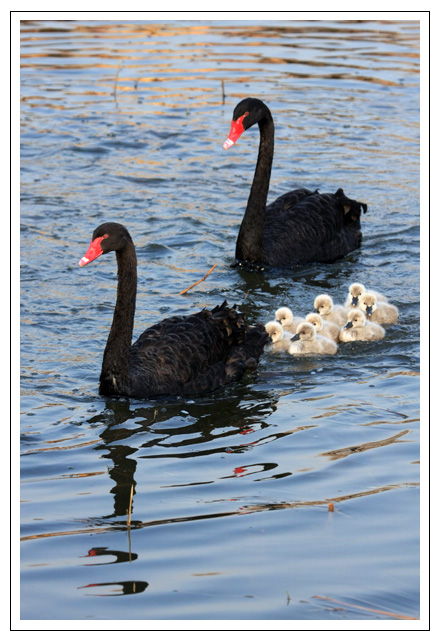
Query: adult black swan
{"points": [[298, 227], [180, 356]]}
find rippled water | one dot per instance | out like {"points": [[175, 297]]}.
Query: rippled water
{"points": [[125, 121]]}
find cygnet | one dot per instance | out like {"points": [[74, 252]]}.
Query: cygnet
{"points": [[287, 319], [359, 328], [280, 338], [330, 312], [381, 312], [323, 328], [307, 341], [356, 290]]}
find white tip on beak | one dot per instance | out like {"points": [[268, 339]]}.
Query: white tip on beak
{"points": [[228, 143], [83, 261]]}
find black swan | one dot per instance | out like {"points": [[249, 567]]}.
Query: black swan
{"points": [[299, 227], [180, 356]]}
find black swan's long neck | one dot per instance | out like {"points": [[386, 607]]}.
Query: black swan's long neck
{"points": [[250, 241], [115, 372]]}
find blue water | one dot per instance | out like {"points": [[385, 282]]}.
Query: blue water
{"points": [[124, 121]]}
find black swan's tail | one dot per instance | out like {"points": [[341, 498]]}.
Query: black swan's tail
{"points": [[243, 346], [352, 209]]}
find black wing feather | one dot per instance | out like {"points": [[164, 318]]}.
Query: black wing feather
{"points": [[195, 354], [307, 226]]}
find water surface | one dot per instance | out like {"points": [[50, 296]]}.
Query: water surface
{"points": [[125, 121]]}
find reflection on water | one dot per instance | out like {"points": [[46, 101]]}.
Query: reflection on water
{"points": [[229, 510], [116, 556], [125, 588], [174, 433]]}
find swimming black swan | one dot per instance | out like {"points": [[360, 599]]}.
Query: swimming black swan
{"points": [[300, 226], [181, 356]]}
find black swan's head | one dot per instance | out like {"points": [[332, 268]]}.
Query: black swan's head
{"points": [[110, 236], [247, 113]]}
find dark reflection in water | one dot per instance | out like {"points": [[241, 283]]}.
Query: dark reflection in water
{"points": [[103, 552], [186, 438], [199, 422], [125, 588]]}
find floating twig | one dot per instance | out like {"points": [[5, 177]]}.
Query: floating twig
{"points": [[198, 281], [223, 92]]}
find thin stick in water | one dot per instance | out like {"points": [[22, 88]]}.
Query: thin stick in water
{"points": [[116, 79], [130, 504], [198, 281]]}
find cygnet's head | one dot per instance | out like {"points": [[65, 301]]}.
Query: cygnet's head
{"points": [[367, 302], [316, 320], [356, 291], [356, 318], [284, 316], [275, 330], [305, 331], [323, 304]]}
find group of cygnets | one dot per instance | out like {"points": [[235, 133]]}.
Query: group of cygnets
{"points": [[360, 319]]}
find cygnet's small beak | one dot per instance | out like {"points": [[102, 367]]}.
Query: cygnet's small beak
{"points": [[354, 301], [295, 337], [348, 325], [369, 311]]}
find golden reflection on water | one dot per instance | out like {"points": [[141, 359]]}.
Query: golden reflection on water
{"points": [[137, 46]]}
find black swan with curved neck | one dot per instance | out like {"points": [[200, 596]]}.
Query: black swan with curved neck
{"points": [[179, 356], [299, 227]]}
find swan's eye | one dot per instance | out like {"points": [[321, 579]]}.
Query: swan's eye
{"points": [[105, 236]]}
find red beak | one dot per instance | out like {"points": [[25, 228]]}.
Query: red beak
{"points": [[93, 252], [236, 130]]}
